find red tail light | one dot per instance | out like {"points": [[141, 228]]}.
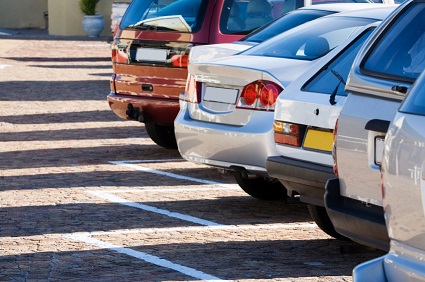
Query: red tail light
{"points": [[335, 166], [286, 133], [180, 61], [259, 95], [193, 90], [119, 55]]}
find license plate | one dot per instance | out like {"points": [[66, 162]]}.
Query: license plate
{"points": [[221, 95], [318, 140], [379, 149], [150, 54]]}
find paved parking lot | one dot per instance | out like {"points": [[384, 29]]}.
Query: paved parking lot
{"points": [[85, 196]]}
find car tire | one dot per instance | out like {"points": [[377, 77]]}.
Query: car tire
{"points": [[321, 218], [262, 188], [162, 135]]}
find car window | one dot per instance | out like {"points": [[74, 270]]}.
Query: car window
{"points": [[415, 100], [400, 52], [310, 40], [165, 15], [244, 16], [284, 23], [332, 77]]}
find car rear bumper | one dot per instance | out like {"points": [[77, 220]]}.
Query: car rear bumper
{"points": [[227, 146], [372, 270], [144, 109], [305, 178], [362, 223]]}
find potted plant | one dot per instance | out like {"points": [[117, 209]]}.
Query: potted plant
{"points": [[92, 23]]}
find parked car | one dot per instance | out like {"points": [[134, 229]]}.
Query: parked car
{"points": [[385, 68], [403, 170], [304, 120], [287, 21], [150, 52], [226, 112], [151, 47]]}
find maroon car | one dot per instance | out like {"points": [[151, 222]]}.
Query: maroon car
{"points": [[151, 47]]}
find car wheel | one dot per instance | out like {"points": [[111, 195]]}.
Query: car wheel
{"points": [[162, 135], [262, 188], [320, 216]]}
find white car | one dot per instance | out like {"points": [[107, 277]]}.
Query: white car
{"points": [[403, 178], [304, 119], [227, 110]]}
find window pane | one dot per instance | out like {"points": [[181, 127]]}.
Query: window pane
{"points": [[326, 81], [401, 50]]}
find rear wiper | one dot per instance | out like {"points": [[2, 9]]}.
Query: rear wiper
{"points": [[145, 26], [341, 80]]}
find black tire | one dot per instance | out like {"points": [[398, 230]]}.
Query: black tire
{"points": [[321, 217], [262, 188], [162, 135]]}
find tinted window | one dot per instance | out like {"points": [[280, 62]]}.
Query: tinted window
{"points": [[415, 101], [165, 15], [326, 80], [284, 23], [310, 40], [244, 16], [400, 53]]}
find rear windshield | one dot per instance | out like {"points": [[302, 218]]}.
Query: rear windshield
{"points": [[310, 40], [400, 52], [284, 23], [165, 15]]}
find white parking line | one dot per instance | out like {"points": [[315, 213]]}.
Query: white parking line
{"points": [[164, 173], [122, 201], [236, 187], [204, 228], [145, 257]]}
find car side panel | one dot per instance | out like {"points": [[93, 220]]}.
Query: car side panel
{"points": [[358, 172]]}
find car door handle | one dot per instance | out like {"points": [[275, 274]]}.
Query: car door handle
{"points": [[378, 125]]}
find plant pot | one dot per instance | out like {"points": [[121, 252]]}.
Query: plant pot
{"points": [[93, 25]]}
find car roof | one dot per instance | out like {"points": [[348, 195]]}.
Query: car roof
{"points": [[340, 7], [374, 11]]}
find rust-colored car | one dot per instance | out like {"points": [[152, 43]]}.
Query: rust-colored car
{"points": [[151, 47]]}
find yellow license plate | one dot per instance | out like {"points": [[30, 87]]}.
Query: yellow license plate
{"points": [[318, 140]]}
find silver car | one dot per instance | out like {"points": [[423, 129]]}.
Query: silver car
{"points": [[385, 68], [403, 178], [226, 113]]}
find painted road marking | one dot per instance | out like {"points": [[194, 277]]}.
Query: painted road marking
{"points": [[4, 66], [203, 228], [166, 190], [122, 201], [164, 173], [145, 257]]}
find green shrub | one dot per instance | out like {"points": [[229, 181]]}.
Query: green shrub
{"points": [[88, 7]]}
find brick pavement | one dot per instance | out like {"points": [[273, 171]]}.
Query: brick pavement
{"points": [[57, 135]]}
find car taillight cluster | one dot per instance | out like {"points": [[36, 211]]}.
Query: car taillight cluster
{"points": [[180, 61], [119, 55], [193, 90], [286, 133], [259, 95]]}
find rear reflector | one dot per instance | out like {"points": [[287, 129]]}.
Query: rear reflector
{"points": [[291, 140]]}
